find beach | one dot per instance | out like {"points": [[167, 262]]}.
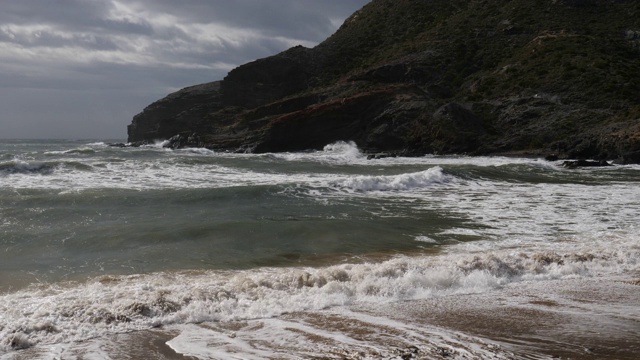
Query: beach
{"points": [[130, 253]]}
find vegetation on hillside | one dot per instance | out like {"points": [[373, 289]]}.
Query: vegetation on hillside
{"points": [[419, 76]]}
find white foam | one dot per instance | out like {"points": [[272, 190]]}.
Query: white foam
{"points": [[171, 173], [338, 153], [197, 151], [80, 150], [346, 151], [62, 313], [409, 181], [529, 231], [425, 239], [320, 334]]}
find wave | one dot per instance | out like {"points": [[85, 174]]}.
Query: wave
{"points": [[113, 304], [197, 151], [23, 167], [82, 151], [158, 144], [410, 181], [339, 153], [19, 167], [344, 150]]}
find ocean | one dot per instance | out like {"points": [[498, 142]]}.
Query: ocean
{"points": [[134, 253]]}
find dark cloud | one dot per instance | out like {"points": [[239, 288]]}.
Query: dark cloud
{"points": [[309, 20], [83, 68]]}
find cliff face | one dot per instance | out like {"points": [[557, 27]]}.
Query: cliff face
{"points": [[432, 76], [184, 109]]}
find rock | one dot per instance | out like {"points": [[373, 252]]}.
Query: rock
{"points": [[18, 341], [443, 352], [410, 352], [266, 80], [456, 129], [184, 140], [181, 111], [380, 156], [418, 77], [551, 157], [631, 157]]}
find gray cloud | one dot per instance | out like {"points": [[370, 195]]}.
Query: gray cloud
{"points": [[82, 68]]}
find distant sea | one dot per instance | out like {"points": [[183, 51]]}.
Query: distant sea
{"points": [[251, 256]]}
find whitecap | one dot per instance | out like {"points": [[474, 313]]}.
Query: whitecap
{"points": [[197, 151], [23, 167], [408, 181], [425, 239], [114, 304], [344, 150]]}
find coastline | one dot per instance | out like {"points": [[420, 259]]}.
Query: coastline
{"points": [[581, 318], [309, 256], [575, 318]]}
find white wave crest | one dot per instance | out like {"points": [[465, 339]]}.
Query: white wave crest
{"points": [[22, 167], [343, 147], [80, 150], [343, 150], [422, 179], [158, 144], [110, 304], [197, 151]]}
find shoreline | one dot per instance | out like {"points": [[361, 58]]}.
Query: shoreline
{"points": [[579, 319], [583, 318], [576, 318]]}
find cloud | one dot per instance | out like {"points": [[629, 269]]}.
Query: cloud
{"points": [[131, 52]]}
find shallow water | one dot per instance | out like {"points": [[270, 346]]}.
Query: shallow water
{"points": [[98, 241]]}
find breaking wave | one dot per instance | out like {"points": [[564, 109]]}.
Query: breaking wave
{"points": [[110, 304], [23, 167], [409, 181], [345, 150], [78, 151]]}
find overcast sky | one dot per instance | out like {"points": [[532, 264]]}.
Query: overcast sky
{"points": [[81, 69]]}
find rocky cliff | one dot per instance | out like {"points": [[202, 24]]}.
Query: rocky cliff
{"points": [[412, 77]]}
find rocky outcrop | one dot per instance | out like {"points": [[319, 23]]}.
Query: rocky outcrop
{"points": [[409, 77], [266, 80], [184, 109]]}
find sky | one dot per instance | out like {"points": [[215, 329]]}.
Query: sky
{"points": [[81, 69]]}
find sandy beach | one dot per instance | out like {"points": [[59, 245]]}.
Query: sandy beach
{"points": [[597, 318], [586, 318]]}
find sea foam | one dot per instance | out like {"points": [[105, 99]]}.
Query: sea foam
{"points": [[110, 304], [408, 181]]}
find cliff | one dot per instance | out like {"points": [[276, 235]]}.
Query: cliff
{"points": [[411, 77]]}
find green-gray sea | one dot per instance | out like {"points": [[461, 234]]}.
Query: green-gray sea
{"points": [[97, 240]]}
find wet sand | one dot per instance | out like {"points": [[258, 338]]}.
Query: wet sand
{"points": [[594, 318], [588, 318]]}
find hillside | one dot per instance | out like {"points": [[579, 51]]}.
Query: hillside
{"points": [[411, 77]]}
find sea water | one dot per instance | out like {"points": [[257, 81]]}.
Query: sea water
{"points": [[98, 241]]}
